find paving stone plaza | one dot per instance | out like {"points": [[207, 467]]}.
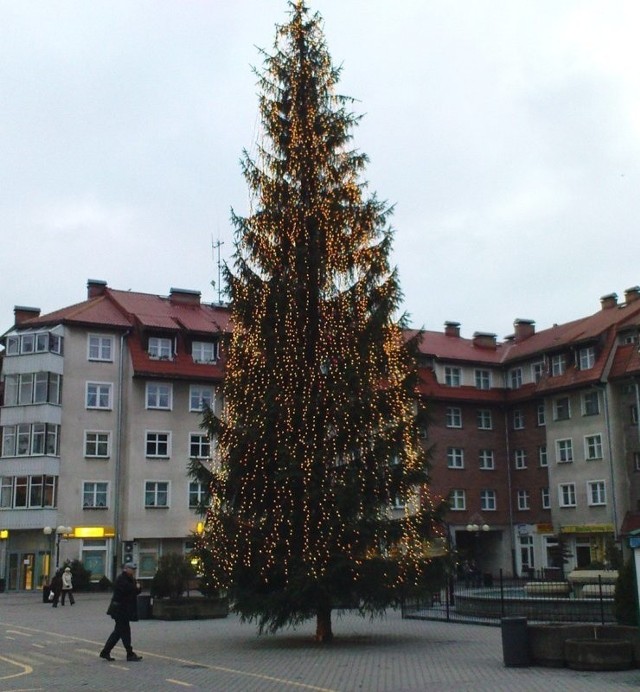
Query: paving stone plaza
{"points": [[49, 649]]}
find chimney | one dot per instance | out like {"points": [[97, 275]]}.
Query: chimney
{"points": [[609, 301], [452, 328], [183, 296], [632, 294], [95, 288], [484, 340], [22, 314], [524, 329]]}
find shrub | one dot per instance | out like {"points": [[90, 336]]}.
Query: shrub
{"points": [[80, 575], [104, 584], [625, 604], [172, 577]]}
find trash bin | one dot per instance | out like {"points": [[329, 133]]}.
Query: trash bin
{"points": [[46, 590], [144, 606], [515, 641]]}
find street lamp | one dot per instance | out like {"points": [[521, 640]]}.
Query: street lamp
{"points": [[59, 533]]}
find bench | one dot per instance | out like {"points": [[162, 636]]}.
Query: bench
{"points": [[594, 590], [581, 578]]}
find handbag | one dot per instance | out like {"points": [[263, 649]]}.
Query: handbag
{"points": [[51, 595]]}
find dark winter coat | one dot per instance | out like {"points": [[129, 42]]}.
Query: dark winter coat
{"points": [[124, 602]]}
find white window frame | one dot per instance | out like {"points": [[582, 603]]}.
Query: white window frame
{"points": [[564, 450], [558, 365], [593, 449], [545, 498], [153, 486], [452, 376], [541, 418], [155, 393], [97, 494], [543, 456], [457, 500], [587, 357], [482, 378], [597, 493], [199, 396], [98, 439], [488, 500], [453, 416], [484, 416], [518, 419], [160, 440], [588, 398], [197, 492], [520, 459], [100, 348], [455, 457], [566, 495], [558, 408], [515, 378], [202, 442], [537, 370], [523, 499], [160, 348], [99, 390], [204, 351], [487, 459]]}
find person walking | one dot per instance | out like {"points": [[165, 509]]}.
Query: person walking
{"points": [[56, 587], [67, 586], [123, 609]]}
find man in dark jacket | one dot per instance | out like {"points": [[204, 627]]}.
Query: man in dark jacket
{"points": [[123, 609]]}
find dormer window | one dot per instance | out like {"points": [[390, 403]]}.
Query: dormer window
{"points": [[558, 365], [587, 358], [160, 348], [204, 351]]}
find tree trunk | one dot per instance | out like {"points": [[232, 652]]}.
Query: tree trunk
{"points": [[323, 625]]}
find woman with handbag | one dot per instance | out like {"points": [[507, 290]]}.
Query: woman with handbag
{"points": [[67, 586], [123, 609]]}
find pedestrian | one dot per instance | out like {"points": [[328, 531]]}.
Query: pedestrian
{"points": [[67, 586], [123, 609], [56, 587]]}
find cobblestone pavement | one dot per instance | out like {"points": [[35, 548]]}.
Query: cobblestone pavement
{"points": [[42, 648]]}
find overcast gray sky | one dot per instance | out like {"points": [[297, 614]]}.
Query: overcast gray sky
{"points": [[506, 133]]}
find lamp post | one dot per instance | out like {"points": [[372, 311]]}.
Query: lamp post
{"points": [[59, 532], [475, 530]]}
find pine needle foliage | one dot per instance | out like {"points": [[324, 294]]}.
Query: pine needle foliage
{"points": [[318, 496]]}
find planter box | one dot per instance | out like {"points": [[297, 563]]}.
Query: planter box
{"points": [[190, 609]]}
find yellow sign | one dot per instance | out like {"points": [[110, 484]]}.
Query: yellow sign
{"points": [[544, 528], [4, 534], [93, 532], [588, 528]]}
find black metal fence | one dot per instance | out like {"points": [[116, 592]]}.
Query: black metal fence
{"points": [[486, 599]]}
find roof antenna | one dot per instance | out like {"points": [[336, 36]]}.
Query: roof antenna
{"points": [[216, 246]]}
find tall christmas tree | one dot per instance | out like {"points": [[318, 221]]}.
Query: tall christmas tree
{"points": [[318, 440]]}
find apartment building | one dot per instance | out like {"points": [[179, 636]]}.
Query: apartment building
{"points": [[532, 437], [101, 414]]}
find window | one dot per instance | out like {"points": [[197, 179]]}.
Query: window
{"points": [[487, 460], [523, 500], [156, 494], [199, 447], [30, 439], [21, 492], [593, 447], [455, 458], [160, 348], [28, 343], [159, 395], [485, 420], [6, 492], [558, 365], [198, 494], [596, 493], [454, 417], [545, 498], [515, 378], [94, 494], [542, 456], [567, 495], [518, 419], [540, 415], [12, 345], [488, 500], [200, 397], [457, 500], [520, 459], [590, 404], [100, 348], [562, 408], [452, 376], [40, 342], [204, 351], [537, 370], [158, 444], [586, 358], [564, 451], [99, 395], [96, 444], [483, 379]]}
